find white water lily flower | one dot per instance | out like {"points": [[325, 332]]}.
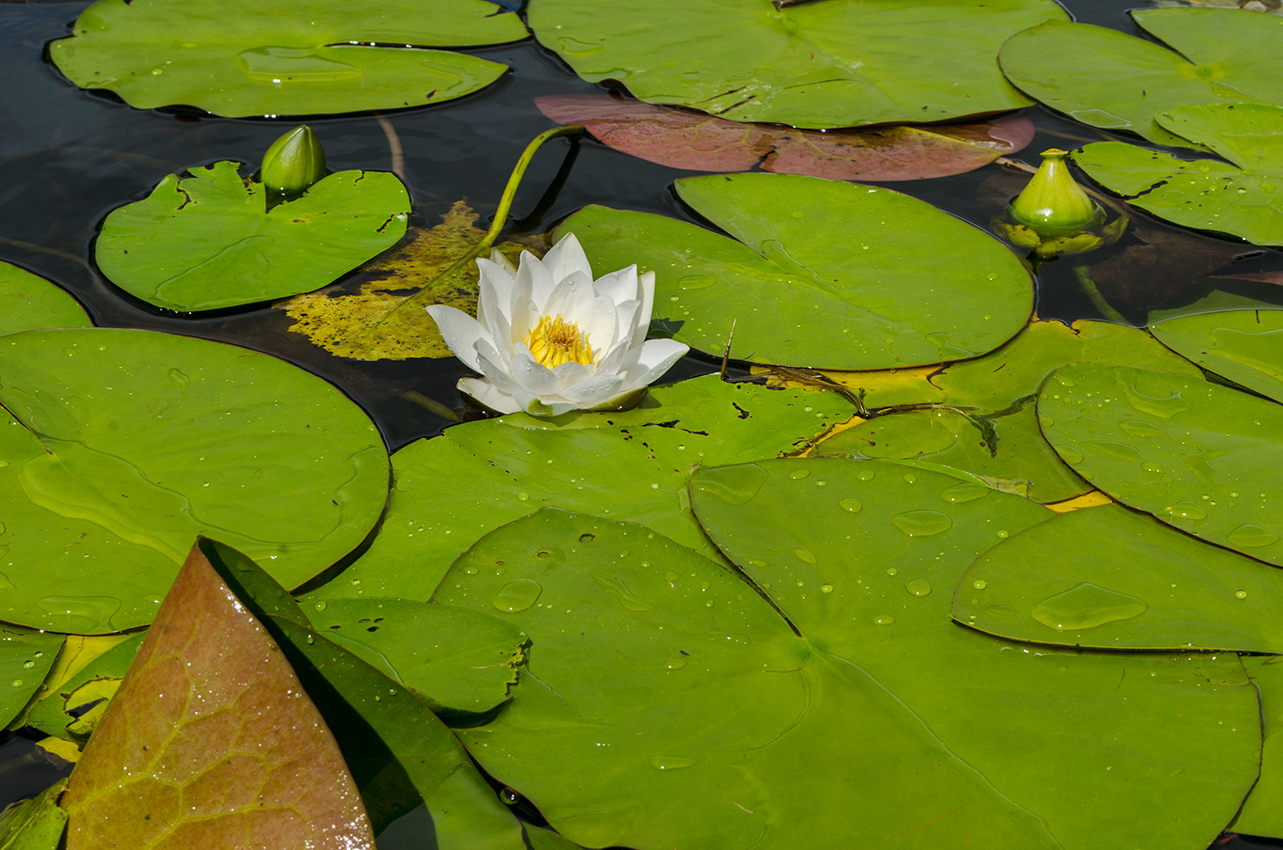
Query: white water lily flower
{"points": [[548, 339]]}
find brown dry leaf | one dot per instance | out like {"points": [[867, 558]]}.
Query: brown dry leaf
{"points": [[211, 743], [366, 325]]}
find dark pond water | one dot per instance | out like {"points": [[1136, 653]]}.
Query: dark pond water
{"points": [[68, 157]]}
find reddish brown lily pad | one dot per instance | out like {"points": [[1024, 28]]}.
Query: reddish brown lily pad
{"points": [[211, 742], [694, 140]]}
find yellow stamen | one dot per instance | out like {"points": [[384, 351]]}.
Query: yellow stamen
{"points": [[555, 341]]}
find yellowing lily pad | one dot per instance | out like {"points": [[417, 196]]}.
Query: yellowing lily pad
{"points": [[825, 274], [209, 241], [279, 58], [25, 659]]}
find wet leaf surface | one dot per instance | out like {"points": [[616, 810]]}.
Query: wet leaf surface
{"points": [[1156, 589], [1238, 197], [630, 465], [1120, 82], [1007, 449], [833, 64], [208, 241], [1260, 815], [132, 442], [211, 741], [36, 824], [277, 59], [25, 659], [377, 322], [28, 302], [824, 275], [701, 142], [1245, 346], [1194, 454], [73, 706]]}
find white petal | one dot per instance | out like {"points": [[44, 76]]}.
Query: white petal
{"points": [[524, 319], [599, 322], [531, 374], [595, 390], [566, 258], [617, 360], [572, 373], [460, 332], [570, 298], [656, 356], [534, 278], [494, 293], [486, 394], [533, 404], [619, 286], [497, 257], [646, 283], [493, 366]]}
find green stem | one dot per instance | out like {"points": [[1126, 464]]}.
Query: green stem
{"points": [[1098, 301], [482, 248]]}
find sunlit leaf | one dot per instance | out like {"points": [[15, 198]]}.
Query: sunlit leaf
{"points": [[211, 741], [1017, 369], [830, 64], [377, 322], [1156, 589], [825, 274], [1260, 815], [35, 824], [28, 302], [399, 753], [701, 142], [131, 442], [209, 241], [77, 653], [456, 660], [25, 659], [1245, 346], [1238, 197], [1007, 447], [629, 465], [69, 711], [1108, 79], [1198, 456], [277, 58]]}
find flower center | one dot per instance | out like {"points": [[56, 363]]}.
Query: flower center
{"points": [[555, 341]]}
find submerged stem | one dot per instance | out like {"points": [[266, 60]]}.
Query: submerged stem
{"points": [[1098, 301]]}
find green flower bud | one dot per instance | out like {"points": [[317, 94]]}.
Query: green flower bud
{"points": [[1053, 204], [293, 163]]}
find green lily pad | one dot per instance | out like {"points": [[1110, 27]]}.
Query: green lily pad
{"points": [[704, 720], [1115, 81], [456, 660], [29, 302], [832, 64], [1157, 589], [277, 58], [1241, 198], [25, 659], [630, 465], [209, 241], [826, 274], [1017, 369], [131, 443], [1260, 814], [1245, 346], [1007, 448], [35, 824], [886, 576], [1198, 456]]}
